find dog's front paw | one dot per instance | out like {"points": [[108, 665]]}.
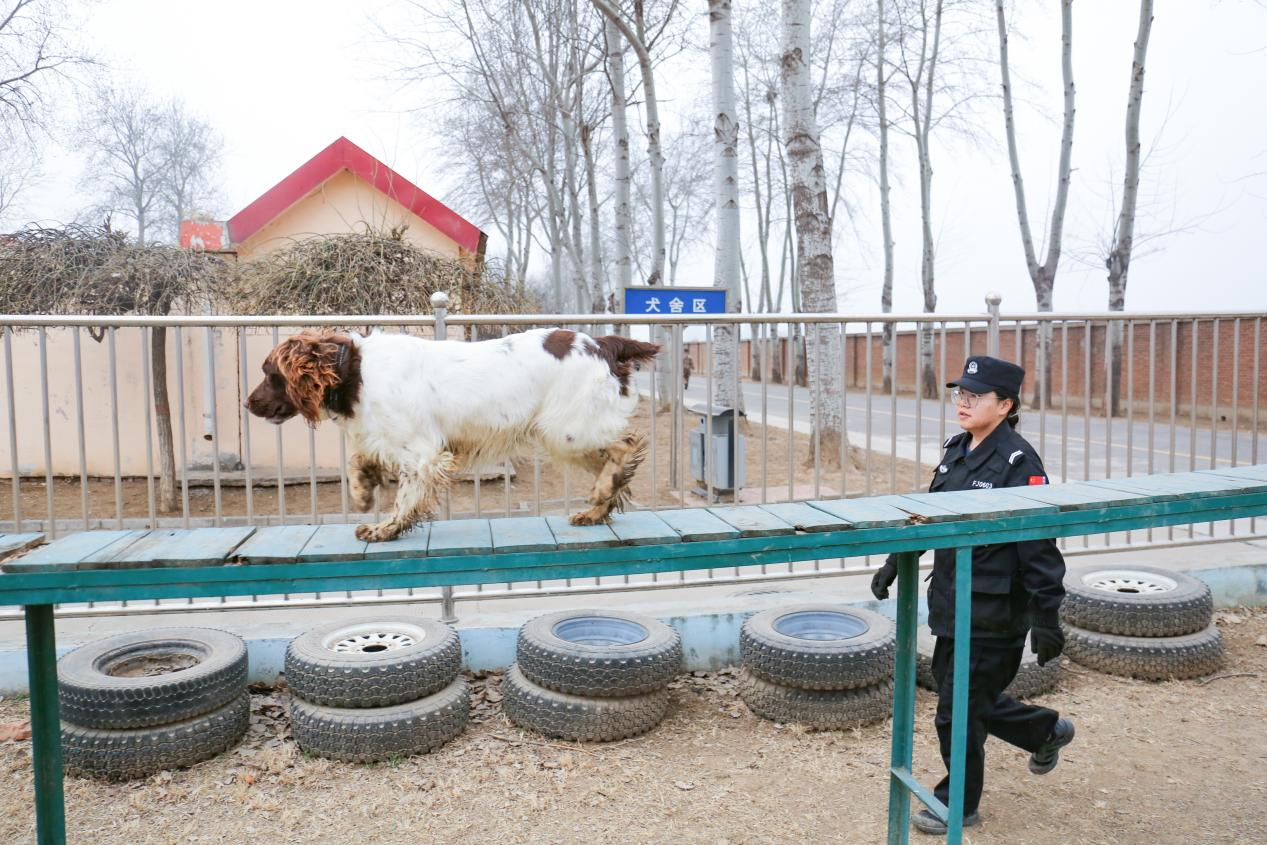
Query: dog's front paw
{"points": [[596, 515], [388, 530]]}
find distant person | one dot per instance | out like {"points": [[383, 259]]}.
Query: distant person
{"points": [[687, 366], [1016, 588]]}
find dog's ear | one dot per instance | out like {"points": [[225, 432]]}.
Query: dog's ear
{"points": [[307, 364]]}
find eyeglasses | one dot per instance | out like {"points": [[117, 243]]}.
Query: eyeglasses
{"points": [[966, 398]]}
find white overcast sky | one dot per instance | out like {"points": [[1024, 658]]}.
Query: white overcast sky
{"points": [[281, 79]]}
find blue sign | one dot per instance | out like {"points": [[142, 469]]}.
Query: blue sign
{"points": [[675, 300]]}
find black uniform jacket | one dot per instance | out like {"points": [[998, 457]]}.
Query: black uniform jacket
{"points": [[1014, 585]]}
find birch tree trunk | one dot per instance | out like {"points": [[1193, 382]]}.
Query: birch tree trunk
{"points": [[927, 270], [598, 294], [726, 191], [636, 36], [1043, 276], [815, 275], [620, 142], [655, 155], [886, 214], [1118, 261]]}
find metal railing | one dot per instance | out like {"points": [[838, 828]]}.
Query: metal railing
{"points": [[1187, 397]]}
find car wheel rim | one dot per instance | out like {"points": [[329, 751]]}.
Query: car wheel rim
{"points": [[373, 638], [600, 631], [820, 625], [371, 643], [1130, 581]]}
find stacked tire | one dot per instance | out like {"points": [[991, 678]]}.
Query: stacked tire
{"points": [[823, 666], [138, 703], [1141, 622], [376, 689], [591, 675], [1031, 679]]}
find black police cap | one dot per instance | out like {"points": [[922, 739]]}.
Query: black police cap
{"points": [[983, 374]]}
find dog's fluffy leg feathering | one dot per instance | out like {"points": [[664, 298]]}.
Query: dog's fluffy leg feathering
{"points": [[612, 481], [418, 492]]}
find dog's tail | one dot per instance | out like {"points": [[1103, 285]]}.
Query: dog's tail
{"points": [[624, 350]]}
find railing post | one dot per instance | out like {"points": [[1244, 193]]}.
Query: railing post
{"points": [[992, 300], [46, 740], [903, 697], [440, 306], [959, 694]]}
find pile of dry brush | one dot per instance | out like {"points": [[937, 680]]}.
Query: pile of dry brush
{"points": [[96, 270], [371, 273]]}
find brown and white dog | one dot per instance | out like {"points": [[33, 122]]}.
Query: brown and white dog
{"points": [[416, 409]]}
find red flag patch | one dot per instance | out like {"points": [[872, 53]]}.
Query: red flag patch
{"points": [[1037, 479]]}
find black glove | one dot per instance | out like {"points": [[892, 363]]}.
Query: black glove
{"points": [[884, 576], [1048, 642]]}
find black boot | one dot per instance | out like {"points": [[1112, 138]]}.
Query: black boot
{"points": [[926, 822], [1045, 759]]}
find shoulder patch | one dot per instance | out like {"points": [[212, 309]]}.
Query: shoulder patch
{"points": [[1011, 459]]}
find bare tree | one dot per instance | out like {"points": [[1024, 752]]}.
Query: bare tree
{"points": [[921, 76], [1043, 276], [726, 200], [34, 54], [1118, 261], [19, 171], [886, 212], [620, 144], [191, 150], [687, 169], [816, 268], [122, 133], [35, 57], [938, 53], [758, 84], [635, 33]]}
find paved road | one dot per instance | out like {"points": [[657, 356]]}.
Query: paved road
{"points": [[1092, 445]]}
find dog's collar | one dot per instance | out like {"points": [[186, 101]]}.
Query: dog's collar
{"points": [[335, 395]]}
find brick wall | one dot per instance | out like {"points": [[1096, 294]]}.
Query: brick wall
{"points": [[1224, 363]]}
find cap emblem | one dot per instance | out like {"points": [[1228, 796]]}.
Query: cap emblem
{"points": [[972, 368]]}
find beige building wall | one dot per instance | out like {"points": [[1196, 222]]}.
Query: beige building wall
{"points": [[344, 203], [130, 402]]}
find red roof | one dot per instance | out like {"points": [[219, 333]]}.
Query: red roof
{"points": [[344, 155]]}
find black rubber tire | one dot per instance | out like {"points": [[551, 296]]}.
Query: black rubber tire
{"points": [[855, 661], [579, 718], [548, 658], [1149, 658], [1031, 679], [833, 709], [91, 697], [357, 679], [368, 735], [140, 752], [1184, 608]]}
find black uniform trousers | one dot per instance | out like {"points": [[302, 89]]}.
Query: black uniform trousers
{"points": [[991, 668]]}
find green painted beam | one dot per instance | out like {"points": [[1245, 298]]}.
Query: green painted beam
{"points": [[102, 585]]}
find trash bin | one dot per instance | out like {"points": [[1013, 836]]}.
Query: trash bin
{"points": [[717, 466]]}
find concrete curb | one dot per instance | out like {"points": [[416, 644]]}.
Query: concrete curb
{"points": [[709, 625]]}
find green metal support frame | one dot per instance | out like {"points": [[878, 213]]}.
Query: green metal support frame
{"points": [[38, 590], [902, 783], [46, 741]]}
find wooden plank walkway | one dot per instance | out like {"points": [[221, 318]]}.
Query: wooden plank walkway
{"points": [[707, 528]]}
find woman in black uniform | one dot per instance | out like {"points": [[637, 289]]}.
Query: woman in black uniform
{"points": [[1016, 588]]}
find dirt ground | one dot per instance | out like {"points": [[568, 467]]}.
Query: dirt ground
{"points": [[1178, 762], [772, 467]]}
